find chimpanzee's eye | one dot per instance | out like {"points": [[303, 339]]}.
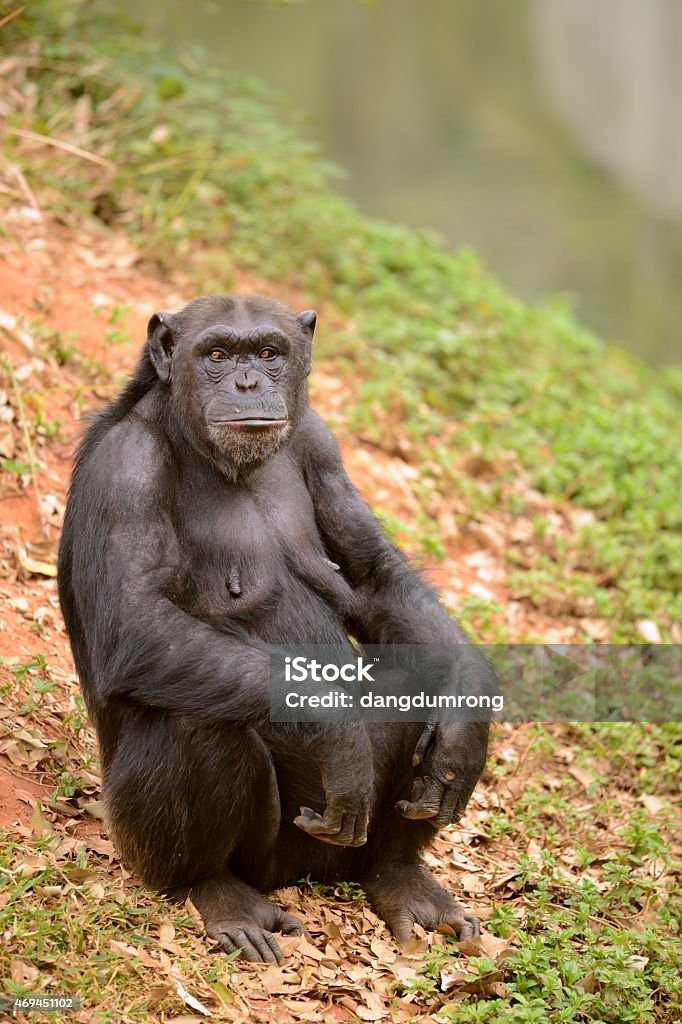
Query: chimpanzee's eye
{"points": [[267, 353], [217, 353]]}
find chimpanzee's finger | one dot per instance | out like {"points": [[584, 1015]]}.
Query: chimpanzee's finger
{"points": [[317, 824], [448, 807], [423, 743], [333, 827], [427, 805]]}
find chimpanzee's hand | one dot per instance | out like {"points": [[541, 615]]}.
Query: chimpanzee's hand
{"points": [[343, 823], [454, 756], [347, 770]]}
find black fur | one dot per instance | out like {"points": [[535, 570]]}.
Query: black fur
{"points": [[192, 543]]}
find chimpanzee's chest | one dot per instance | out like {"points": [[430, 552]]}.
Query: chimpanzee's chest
{"points": [[254, 553]]}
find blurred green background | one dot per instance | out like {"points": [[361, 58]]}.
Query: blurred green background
{"points": [[546, 134]]}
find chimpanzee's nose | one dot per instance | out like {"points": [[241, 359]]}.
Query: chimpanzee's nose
{"points": [[245, 383]]}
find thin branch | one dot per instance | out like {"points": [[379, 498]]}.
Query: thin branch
{"points": [[11, 15], [11, 192], [26, 189], [23, 133], [9, 367]]}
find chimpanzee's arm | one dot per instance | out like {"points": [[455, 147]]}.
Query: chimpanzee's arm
{"points": [[122, 564], [394, 605]]}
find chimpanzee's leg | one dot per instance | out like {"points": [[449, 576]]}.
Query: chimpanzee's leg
{"points": [[184, 800], [401, 890], [389, 865]]}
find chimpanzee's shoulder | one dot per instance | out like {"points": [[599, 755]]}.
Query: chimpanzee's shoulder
{"points": [[131, 454], [313, 440]]}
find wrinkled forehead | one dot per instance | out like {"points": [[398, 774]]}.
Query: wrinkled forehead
{"points": [[236, 324], [244, 337]]}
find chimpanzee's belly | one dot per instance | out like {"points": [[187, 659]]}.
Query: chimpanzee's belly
{"points": [[262, 565], [274, 603], [298, 616]]}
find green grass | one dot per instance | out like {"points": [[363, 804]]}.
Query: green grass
{"points": [[94, 936], [584, 949], [595, 925]]}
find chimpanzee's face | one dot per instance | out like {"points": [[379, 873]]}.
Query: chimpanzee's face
{"points": [[241, 382], [236, 383]]}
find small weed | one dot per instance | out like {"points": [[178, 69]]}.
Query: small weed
{"points": [[36, 664], [68, 784], [15, 467], [348, 892]]}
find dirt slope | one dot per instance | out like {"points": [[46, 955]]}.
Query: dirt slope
{"points": [[73, 313]]}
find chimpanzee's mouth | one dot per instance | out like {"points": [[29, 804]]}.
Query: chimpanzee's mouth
{"points": [[251, 424]]}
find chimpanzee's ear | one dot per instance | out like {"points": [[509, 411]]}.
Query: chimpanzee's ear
{"points": [[307, 319], [161, 340]]}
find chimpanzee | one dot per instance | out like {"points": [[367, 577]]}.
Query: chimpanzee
{"points": [[209, 519]]}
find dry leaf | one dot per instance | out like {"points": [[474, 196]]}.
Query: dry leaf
{"points": [[288, 897], [194, 913], [585, 778], [309, 951], [486, 944], [415, 947], [311, 1009], [402, 970], [95, 809], [649, 631], [63, 808], [34, 566], [472, 884], [451, 976], [79, 875], [133, 953], [50, 890], [193, 1003], [7, 444], [365, 1013], [382, 951], [23, 973], [277, 980], [653, 804], [30, 864], [30, 739], [95, 890], [637, 963], [289, 944], [104, 847]]}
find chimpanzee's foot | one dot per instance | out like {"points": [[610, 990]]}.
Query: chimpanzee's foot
{"points": [[406, 894], [238, 917]]}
